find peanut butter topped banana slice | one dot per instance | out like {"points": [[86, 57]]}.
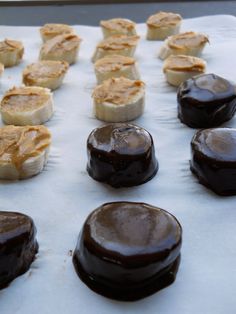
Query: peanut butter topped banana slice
{"points": [[189, 43], [163, 24], [49, 74], [118, 26], [119, 99], [26, 105], [179, 68], [61, 48], [23, 151], [11, 52]]}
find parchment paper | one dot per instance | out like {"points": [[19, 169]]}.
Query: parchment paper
{"points": [[61, 197]]}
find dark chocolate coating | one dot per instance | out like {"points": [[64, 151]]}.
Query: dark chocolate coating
{"points": [[206, 101], [127, 251], [121, 154], [214, 159], [18, 245]]}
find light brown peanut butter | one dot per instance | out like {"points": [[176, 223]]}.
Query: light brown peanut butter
{"points": [[118, 42], [187, 40], [61, 43], [164, 19], [184, 63], [11, 45], [24, 99], [19, 143], [53, 30], [118, 91], [118, 24], [113, 63]]}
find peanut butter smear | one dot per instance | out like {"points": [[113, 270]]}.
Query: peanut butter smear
{"points": [[118, 42], [44, 70], [61, 43], [187, 40], [163, 19], [113, 63], [11, 45], [118, 24], [24, 99], [184, 63], [118, 91], [56, 29], [19, 143]]}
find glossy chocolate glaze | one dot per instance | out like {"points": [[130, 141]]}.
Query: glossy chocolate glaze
{"points": [[214, 159], [127, 251], [206, 101], [121, 154], [18, 245]]}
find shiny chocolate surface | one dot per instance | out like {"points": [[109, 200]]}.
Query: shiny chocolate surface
{"points": [[121, 154], [214, 159], [127, 250], [206, 101], [18, 245]]}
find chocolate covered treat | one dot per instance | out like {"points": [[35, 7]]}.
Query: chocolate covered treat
{"points": [[121, 154], [127, 251], [214, 159], [18, 245], [206, 101]]}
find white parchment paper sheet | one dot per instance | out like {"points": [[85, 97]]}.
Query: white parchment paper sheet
{"points": [[61, 197]]}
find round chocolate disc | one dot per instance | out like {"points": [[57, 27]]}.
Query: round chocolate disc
{"points": [[127, 251], [121, 154], [18, 245], [206, 101], [214, 159]]}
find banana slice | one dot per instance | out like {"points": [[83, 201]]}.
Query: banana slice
{"points": [[180, 68], [119, 100], [116, 66], [189, 43], [163, 24], [49, 74], [23, 151], [11, 52], [51, 30], [61, 48], [118, 26], [1, 69], [116, 45], [27, 106]]}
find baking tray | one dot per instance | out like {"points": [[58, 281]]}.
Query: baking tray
{"points": [[60, 198]]}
